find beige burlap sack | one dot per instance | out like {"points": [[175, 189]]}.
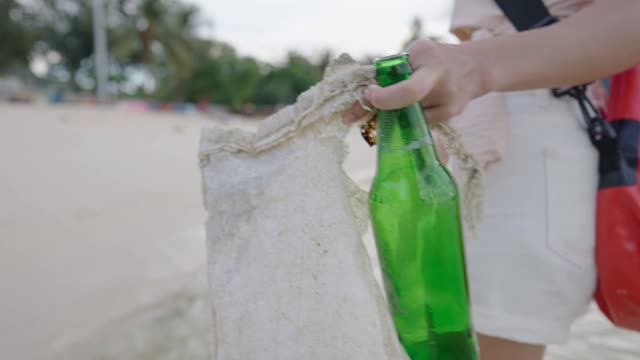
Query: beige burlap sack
{"points": [[289, 276]]}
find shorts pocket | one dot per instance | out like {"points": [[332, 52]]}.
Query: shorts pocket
{"points": [[571, 184]]}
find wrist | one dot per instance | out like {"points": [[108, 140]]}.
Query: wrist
{"points": [[482, 74]]}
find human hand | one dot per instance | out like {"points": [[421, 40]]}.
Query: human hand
{"points": [[445, 78]]}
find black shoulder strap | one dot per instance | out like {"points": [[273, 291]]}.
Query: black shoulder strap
{"points": [[526, 14]]}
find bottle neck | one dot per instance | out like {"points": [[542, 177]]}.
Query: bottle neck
{"points": [[403, 135], [404, 138]]}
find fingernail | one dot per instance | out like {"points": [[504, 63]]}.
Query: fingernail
{"points": [[367, 92], [347, 118]]}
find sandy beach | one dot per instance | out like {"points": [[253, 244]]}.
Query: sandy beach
{"points": [[102, 238], [100, 213]]}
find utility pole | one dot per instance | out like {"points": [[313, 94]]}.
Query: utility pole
{"points": [[100, 50]]}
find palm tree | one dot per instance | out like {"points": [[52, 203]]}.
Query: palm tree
{"points": [[417, 32], [160, 34], [15, 38], [60, 26]]}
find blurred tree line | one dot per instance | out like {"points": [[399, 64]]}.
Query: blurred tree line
{"points": [[154, 50], [155, 53]]}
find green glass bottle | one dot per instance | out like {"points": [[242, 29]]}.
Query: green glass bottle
{"points": [[416, 223]]}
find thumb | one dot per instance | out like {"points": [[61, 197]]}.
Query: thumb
{"points": [[402, 94]]}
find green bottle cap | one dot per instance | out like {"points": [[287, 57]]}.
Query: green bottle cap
{"points": [[392, 69]]}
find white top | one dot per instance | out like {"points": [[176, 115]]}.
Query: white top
{"points": [[483, 125], [470, 15]]}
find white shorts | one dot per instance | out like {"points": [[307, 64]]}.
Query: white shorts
{"points": [[531, 267]]}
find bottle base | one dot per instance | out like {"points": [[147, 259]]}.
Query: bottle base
{"points": [[460, 345]]}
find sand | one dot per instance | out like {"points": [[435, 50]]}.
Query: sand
{"points": [[100, 212]]}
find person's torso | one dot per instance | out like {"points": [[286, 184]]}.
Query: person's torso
{"points": [[470, 15]]}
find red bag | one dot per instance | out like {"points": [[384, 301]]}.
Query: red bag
{"points": [[618, 205]]}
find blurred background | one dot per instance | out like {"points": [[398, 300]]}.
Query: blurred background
{"points": [[101, 104], [245, 56]]}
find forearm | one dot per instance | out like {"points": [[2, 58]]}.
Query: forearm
{"points": [[600, 40]]}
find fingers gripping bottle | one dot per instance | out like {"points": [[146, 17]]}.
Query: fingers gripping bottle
{"points": [[416, 222]]}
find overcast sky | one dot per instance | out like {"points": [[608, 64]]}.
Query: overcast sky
{"points": [[268, 28]]}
